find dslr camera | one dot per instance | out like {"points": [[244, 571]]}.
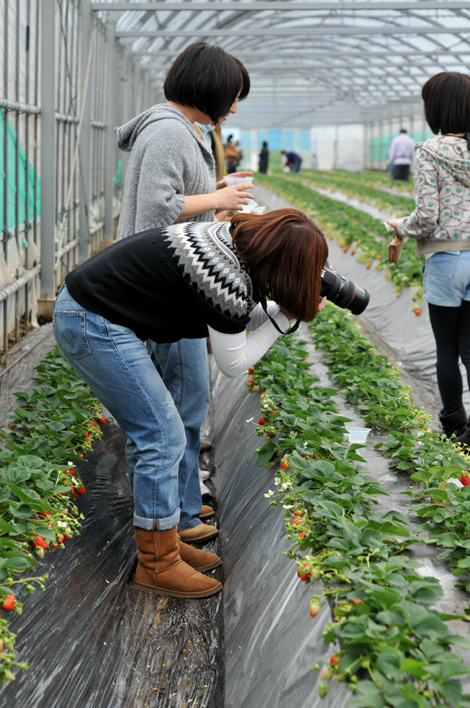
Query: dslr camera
{"points": [[343, 292]]}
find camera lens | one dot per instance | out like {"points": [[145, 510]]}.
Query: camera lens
{"points": [[343, 292]]}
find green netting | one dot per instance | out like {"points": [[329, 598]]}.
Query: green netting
{"points": [[25, 211], [117, 179]]}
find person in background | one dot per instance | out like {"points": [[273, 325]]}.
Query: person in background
{"points": [[440, 224], [232, 155], [159, 285], [400, 155], [170, 178], [293, 161], [263, 158]]}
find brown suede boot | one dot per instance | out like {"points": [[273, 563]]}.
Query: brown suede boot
{"points": [[198, 559], [161, 570]]}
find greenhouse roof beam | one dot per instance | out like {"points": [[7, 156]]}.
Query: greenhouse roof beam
{"points": [[323, 30], [313, 52], [286, 5]]}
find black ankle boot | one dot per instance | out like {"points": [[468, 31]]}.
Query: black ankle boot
{"points": [[455, 422], [464, 439]]}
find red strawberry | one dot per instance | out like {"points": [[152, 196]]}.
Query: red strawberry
{"points": [[103, 420], [39, 541], [81, 490], [304, 573], [302, 534], [465, 480], [295, 522], [261, 421], [9, 602], [44, 513], [284, 465], [334, 661], [358, 602], [251, 370], [297, 512], [250, 381], [417, 311]]}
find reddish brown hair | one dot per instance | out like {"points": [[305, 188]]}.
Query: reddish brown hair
{"points": [[285, 252]]}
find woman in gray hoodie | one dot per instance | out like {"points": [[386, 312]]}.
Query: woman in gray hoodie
{"points": [[440, 224], [171, 178]]}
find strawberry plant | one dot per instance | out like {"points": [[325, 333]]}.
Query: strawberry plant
{"points": [[398, 205], [47, 434], [394, 649]]}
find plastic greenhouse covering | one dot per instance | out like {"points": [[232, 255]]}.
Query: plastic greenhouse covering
{"points": [[323, 73]]}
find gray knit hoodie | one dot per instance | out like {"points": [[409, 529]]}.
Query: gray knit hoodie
{"points": [[168, 161], [441, 220]]}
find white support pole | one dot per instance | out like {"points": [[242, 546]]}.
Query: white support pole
{"points": [[48, 149], [110, 150], [85, 131]]}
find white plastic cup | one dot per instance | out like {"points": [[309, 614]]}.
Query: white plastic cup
{"points": [[258, 209], [238, 180], [356, 435]]}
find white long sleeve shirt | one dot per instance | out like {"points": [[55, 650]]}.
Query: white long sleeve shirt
{"points": [[235, 353]]}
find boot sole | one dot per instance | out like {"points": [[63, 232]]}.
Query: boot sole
{"points": [[208, 515], [175, 593], [199, 539], [210, 566]]}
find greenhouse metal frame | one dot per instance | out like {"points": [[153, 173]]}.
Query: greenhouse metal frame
{"points": [[74, 70]]}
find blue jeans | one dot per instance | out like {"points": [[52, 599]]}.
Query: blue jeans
{"points": [[446, 279], [116, 365], [184, 369]]}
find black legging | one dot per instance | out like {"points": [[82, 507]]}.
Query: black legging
{"points": [[451, 328]]}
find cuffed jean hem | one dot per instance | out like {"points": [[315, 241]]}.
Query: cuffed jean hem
{"points": [[190, 524], [157, 524]]}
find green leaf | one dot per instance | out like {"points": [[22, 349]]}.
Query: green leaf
{"points": [[452, 691], [368, 694], [266, 452]]}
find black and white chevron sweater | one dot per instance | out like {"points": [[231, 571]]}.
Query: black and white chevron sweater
{"points": [[168, 284]]}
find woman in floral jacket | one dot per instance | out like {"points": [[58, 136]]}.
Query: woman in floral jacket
{"points": [[440, 224]]}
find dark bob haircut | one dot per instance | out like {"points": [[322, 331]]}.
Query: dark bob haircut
{"points": [[285, 252], [446, 99], [205, 77]]}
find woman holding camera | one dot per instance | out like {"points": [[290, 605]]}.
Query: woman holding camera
{"points": [[440, 224], [186, 280], [171, 178]]}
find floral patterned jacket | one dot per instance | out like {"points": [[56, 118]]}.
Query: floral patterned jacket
{"points": [[441, 173]]}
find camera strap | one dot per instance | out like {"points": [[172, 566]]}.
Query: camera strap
{"points": [[264, 305]]}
